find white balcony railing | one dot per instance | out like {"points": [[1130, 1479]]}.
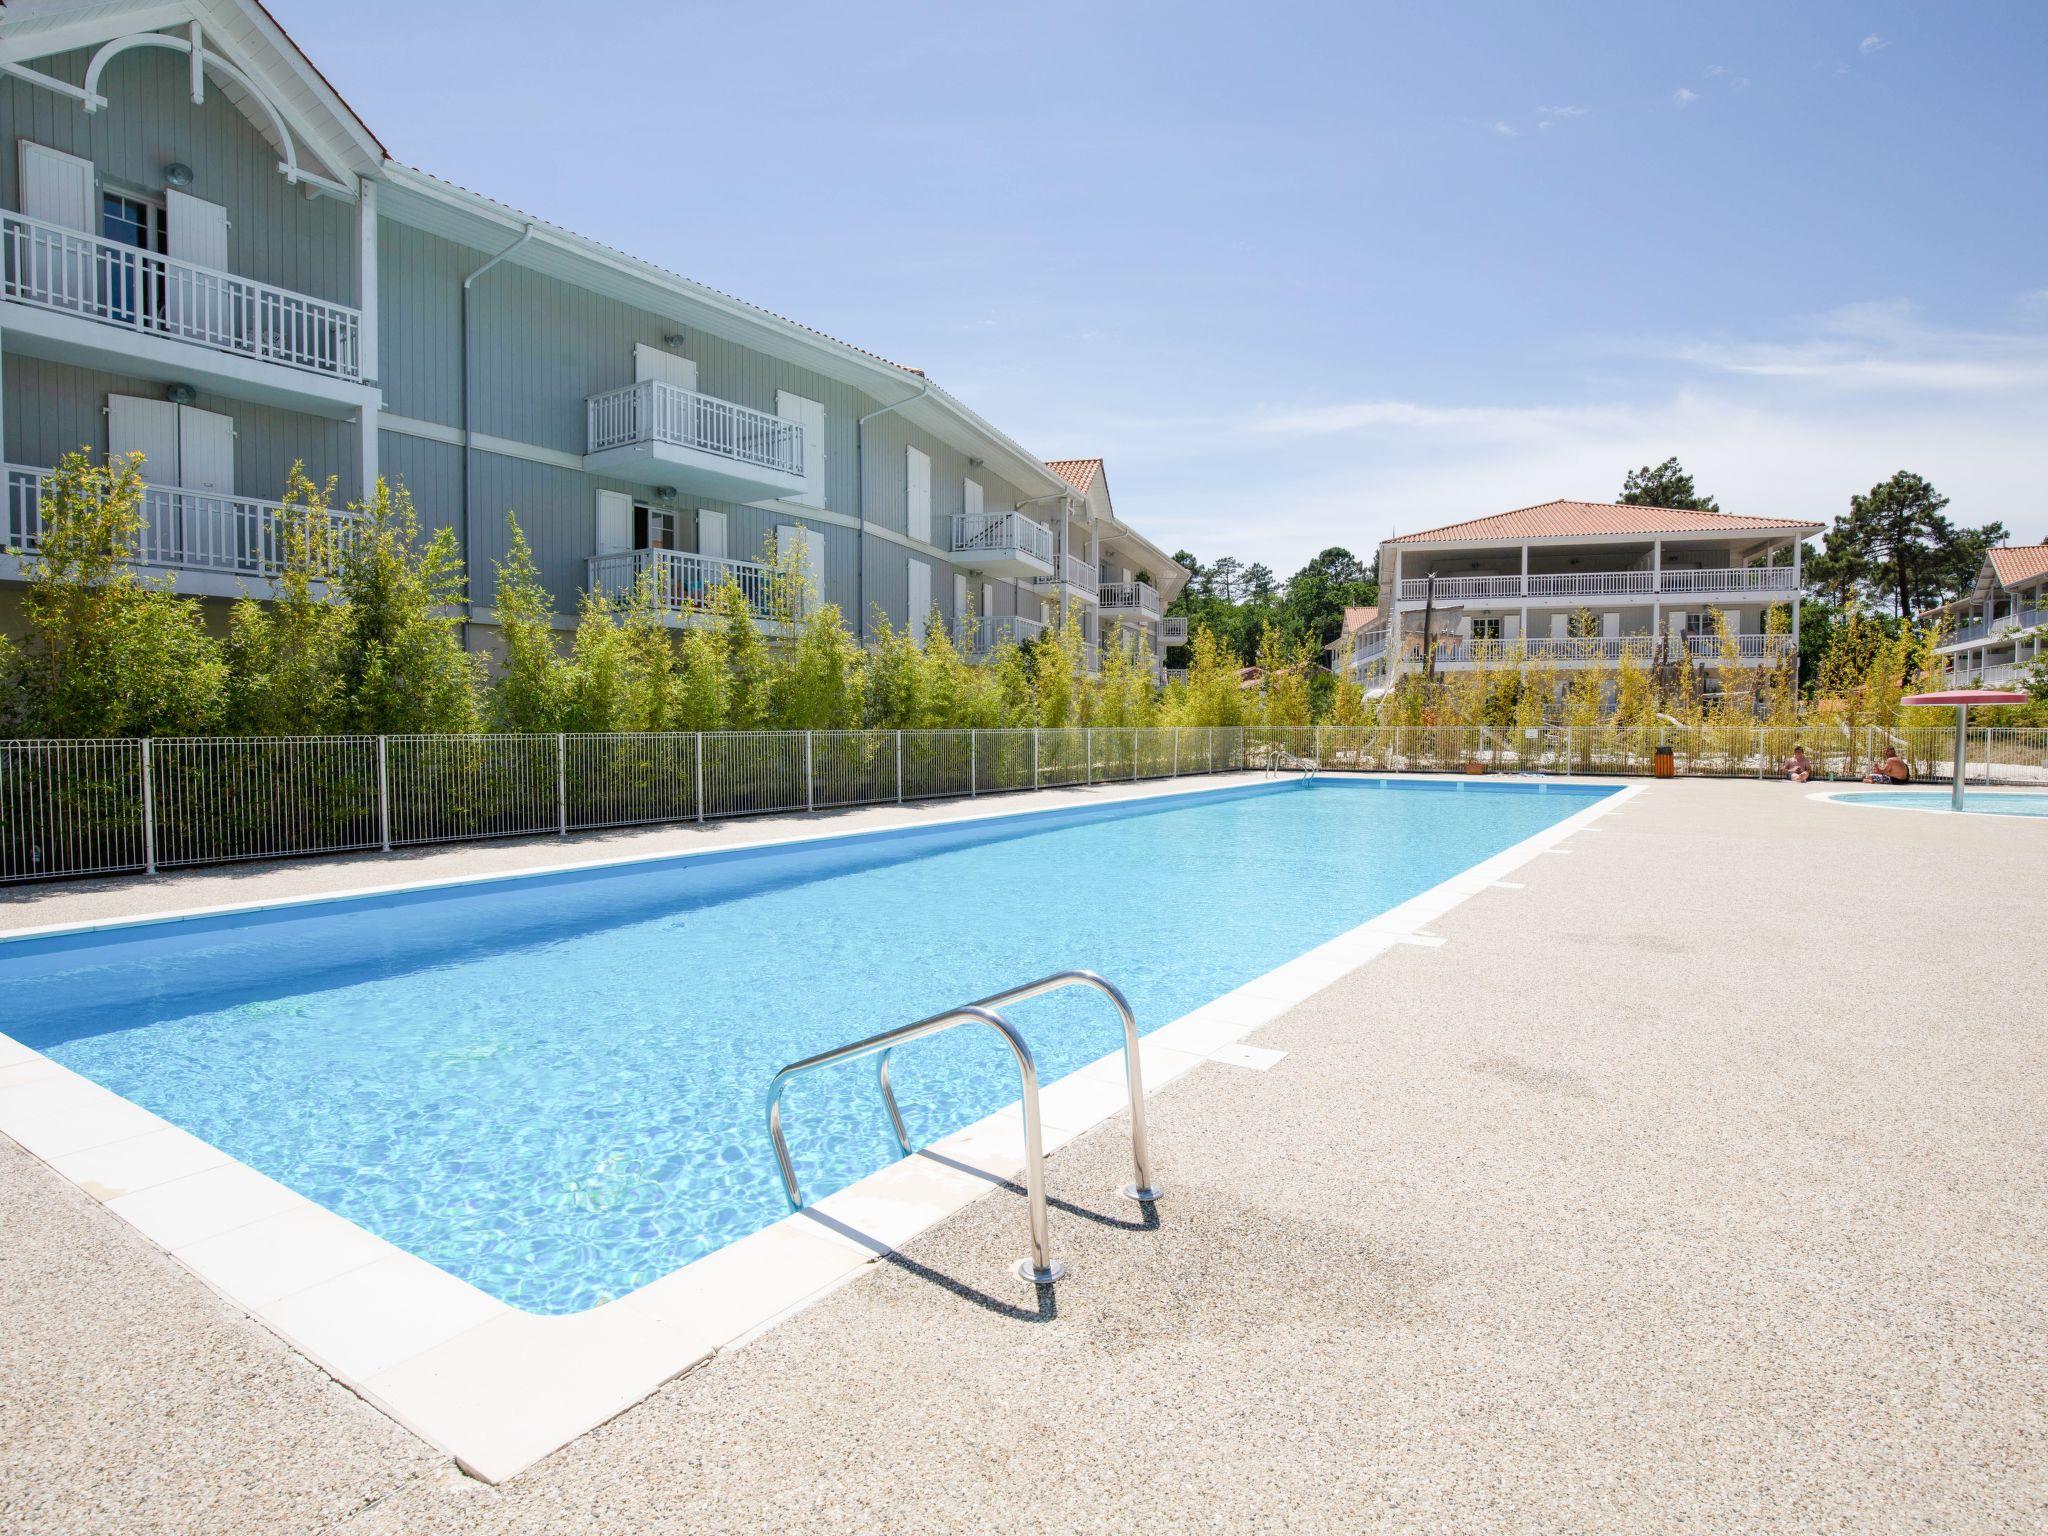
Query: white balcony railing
{"points": [[1762, 579], [1606, 648], [1737, 579], [981, 637], [1128, 597], [181, 530], [683, 582], [652, 412], [1368, 643], [1173, 630], [1591, 583], [1072, 571], [64, 270], [1000, 532]]}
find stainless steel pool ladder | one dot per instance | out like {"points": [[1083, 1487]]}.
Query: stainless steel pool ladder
{"points": [[1039, 1266], [1278, 758]]}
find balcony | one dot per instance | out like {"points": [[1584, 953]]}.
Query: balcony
{"points": [[985, 635], [1073, 574], [221, 541], [656, 434], [1002, 544], [683, 582], [75, 290], [1606, 650], [1128, 600], [1569, 586], [1173, 630]]}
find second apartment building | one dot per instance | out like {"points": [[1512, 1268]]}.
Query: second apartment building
{"points": [[210, 260]]}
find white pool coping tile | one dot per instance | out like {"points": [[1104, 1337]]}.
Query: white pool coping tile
{"points": [[498, 1388]]}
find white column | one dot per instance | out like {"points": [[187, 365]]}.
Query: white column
{"points": [[366, 426], [1798, 595], [1656, 589], [366, 274], [1393, 608]]}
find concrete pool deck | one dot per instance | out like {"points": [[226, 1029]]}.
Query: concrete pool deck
{"points": [[1669, 1192]]}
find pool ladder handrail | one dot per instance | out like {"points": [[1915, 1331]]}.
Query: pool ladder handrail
{"points": [[1287, 759], [1038, 1266]]}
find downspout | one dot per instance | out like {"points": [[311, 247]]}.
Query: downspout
{"points": [[469, 428], [860, 503]]}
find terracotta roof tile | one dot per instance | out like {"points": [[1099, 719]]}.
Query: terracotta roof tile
{"points": [[1564, 519], [1079, 473], [2019, 562]]}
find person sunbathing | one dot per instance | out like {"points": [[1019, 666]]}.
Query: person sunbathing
{"points": [[1799, 770], [1892, 770]]}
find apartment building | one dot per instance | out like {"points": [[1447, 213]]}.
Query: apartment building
{"points": [[1649, 578], [1128, 580], [1999, 629], [209, 259]]}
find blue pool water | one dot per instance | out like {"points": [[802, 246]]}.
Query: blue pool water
{"points": [[552, 1086], [1989, 802]]}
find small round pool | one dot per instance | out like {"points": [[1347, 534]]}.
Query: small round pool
{"points": [[1989, 802]]}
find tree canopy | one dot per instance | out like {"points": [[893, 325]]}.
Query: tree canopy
{"points": [[1239, 602], [1664, 485], [1895, 548]]}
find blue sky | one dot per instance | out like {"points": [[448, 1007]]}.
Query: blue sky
{"points": [[1305, 274]]}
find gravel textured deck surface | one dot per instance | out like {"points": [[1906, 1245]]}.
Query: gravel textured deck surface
{"points": [[1674, 1192]]}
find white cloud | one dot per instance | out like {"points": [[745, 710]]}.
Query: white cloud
{"points": [[1507, 130], [1882, 346], [1685, 97], [1561, 114], [1714, 71], [1872, 44]]}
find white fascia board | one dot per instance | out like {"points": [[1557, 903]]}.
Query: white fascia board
{"points": [[1567, 540], [440, 208], [33, 35], [344, 140]]}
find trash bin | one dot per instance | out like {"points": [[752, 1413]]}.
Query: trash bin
{"points": [[1667, 765]]}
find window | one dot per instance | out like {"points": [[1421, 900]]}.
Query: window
{"points": [[1486, 629], [1699, 624], [653, 529], [132, 221]]}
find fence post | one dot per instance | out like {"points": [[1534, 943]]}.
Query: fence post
{"points": [[384, 791], [1088, 755], [899, 767], [1319, 748], [1134, 754], [973, 763], [810, 795], [1034, 757], [1176, 751], [1567, 751], [148, 807], [561, 785], [700, 776], [1759, 752]]}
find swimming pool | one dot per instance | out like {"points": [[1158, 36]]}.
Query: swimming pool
{"points": [[1989, 802], [551, 1086]]}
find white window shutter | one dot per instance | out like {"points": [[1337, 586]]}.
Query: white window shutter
{"points": [[196, 230], [959, 597], [917, 468], [57, 188], [663, 367], [147, 427], [710, 533], [920, 596], [1560, 625], [810, 415], [206, 451], [1678, 621], [614, 522], [971, 495], [1610, 625]]}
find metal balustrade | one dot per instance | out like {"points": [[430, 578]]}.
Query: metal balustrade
{"points": [[70, 272], [182, 530], [683, 582], [981, 636], [1173, 630], [1071, 571], [1736, 581], [1136, 597], [653, 412], [988, 533]]}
